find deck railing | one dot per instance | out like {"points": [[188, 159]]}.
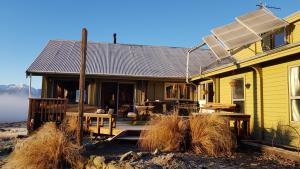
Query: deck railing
{"points": [[45, 110]]}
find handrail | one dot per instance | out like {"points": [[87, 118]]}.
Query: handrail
{"points": [[45, 110]]}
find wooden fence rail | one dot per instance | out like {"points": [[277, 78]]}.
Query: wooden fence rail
{"points": [[45, 110]]}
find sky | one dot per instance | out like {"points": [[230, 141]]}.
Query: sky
{"points": [[27, 26]]}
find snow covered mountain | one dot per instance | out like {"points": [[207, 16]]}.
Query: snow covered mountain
{"points": [[19, 90]]}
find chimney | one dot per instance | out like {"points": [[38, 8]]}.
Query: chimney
{"points": [[115, 38]]}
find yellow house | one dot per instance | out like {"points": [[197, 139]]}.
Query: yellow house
{"points": [[263, 79]]}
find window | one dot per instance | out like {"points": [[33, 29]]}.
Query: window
{"points": [[202, 92], [274, 40], [171, 90], [238, 95], [279, 38], [179, 91], [295, 93], [207, 92]]}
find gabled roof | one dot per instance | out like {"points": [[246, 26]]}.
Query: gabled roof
{"points": [[106, 59]]}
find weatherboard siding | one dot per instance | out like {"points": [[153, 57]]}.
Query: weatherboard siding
{"points": [[277, 104], [226, 93]]}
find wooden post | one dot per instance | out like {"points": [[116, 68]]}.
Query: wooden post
{"points": [[81, 86]]}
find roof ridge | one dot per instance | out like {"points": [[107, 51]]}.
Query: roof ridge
{"points": [[125, 44]]}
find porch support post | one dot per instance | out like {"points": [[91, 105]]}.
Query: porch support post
{"points": [[30, 79], [81, 86]]}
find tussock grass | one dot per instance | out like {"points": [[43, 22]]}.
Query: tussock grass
{"points": [[48, 148], [165, 133], [69, 126], [210, 135]]}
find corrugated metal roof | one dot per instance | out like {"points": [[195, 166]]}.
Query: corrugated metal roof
{"points": [[63, 57]]}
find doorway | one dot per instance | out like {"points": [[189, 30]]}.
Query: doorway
{"points": [[125, 99], [109, 95]]}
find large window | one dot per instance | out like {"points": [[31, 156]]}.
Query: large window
{"points": [[274, 40], [238, 94], [179, 91], [295, 93]]}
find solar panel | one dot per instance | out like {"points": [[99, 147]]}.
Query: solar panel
{"points": [[215, 46], [261, 21], [235, 35]]}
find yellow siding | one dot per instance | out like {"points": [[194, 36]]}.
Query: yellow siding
{"points": [[252, 50], [226, 95], [296, 32], [276, 104]]}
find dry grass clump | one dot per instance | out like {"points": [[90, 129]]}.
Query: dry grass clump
{"points": [[69, 126], [47, 149], [165, 133], [211, 135]]}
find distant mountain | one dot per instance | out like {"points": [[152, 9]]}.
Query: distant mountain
{"points": [[19, 90]]}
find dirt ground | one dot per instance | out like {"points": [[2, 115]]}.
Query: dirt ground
{"points": [[242, 158]]}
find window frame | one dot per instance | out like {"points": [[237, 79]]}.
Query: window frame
{"points": [[244, 93], [191, 90], [289, 94]]}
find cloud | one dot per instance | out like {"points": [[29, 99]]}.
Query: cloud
{"points": [[13, 108]]}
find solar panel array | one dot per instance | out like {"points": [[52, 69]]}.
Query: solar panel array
{"points": [[215, 46], [261, 21], [247, 29], [235, 35]]}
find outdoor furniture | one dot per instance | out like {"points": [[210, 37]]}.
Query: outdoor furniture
{"points": [[237, 118], [132, 116], [144, 111], [99, 118], [218, 107]]}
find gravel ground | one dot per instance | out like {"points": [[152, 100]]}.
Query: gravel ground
{"points": [[112, 151], [243, 158]]}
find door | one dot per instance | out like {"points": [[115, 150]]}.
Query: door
{"points": [[125, 99], [109, 95]]}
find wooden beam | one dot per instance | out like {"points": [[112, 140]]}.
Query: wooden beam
{"points": [[81, 86]]}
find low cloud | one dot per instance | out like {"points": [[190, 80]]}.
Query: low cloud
{"points": [[13, 108]]}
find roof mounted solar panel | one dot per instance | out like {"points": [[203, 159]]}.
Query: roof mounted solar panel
{"points": [[216, 46], [235, 35], [261, 21]]}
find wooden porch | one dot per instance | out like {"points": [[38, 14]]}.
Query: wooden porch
{"points": [[55, 110]]}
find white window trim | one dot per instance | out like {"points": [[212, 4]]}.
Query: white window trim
{"points": [[291, 97], [244, 89]]}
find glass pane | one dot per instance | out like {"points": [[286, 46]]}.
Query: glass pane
{"points": [[171, 91], [295, 81], [210, 92], [279, 39], [238, 89], [239, 106], [295, 108], [202, 92], [182, 91]]}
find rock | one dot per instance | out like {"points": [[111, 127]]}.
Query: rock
{"points": [[22, 136], [253, 164], [211, 164], [112, 165], [143, 154], [156, 152], [128, 166], [129, 155], [99, 161]]}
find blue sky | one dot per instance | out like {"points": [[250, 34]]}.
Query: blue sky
{"points": [[27, 26]]}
